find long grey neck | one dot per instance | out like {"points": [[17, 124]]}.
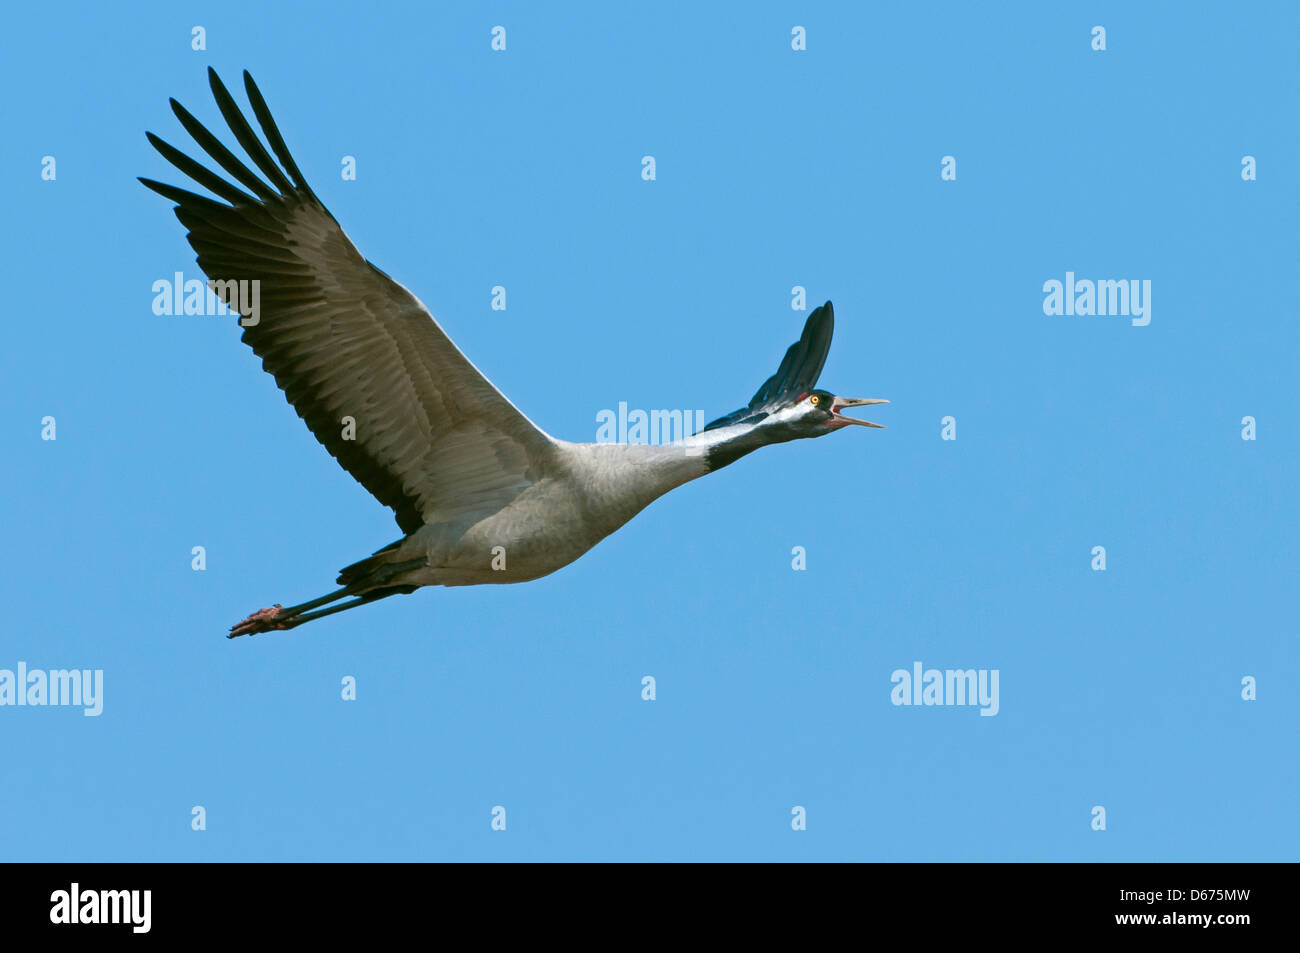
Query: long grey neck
{"points": [[615, 481], [647, 471]]}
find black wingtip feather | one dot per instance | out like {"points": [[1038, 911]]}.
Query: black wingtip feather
{"points": [[245, 135], [223, 156], [252, 145], [181, 197], [272, 133], [209, 180]]}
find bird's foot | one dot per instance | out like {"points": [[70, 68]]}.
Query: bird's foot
{"points": [[263, 620]]}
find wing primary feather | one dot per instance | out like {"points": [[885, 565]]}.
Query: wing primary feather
{"points": [[272, 132], [199, 173], [221, 155], [181, 197], [244, 133]]}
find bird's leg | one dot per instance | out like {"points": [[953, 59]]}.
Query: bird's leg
{"points": [[322, 613], [279, 618], [276, 617]]}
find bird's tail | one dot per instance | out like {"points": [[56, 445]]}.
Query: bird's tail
{"points": [[378, 570]]}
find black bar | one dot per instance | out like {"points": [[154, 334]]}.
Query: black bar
{"points": [[926, 901]]}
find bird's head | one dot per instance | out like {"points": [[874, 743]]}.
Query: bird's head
{"points": [[789, 406], [820, 412]]}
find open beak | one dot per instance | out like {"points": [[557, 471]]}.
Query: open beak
{"points": [[839, 420]]}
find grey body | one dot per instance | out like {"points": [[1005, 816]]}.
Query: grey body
{"points": [[589, 492]]}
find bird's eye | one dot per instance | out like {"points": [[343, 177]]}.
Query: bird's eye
{"points": [[814, 399]]}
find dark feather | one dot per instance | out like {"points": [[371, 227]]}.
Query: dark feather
{"points": [[798, 373]]}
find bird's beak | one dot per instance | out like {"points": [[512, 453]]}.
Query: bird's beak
{"points": [[839, 420]]}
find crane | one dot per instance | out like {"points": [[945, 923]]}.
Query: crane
{"points": [[481, 494]]}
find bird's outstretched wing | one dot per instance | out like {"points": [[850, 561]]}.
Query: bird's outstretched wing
{"points": [[797, 374], [431, 438]]}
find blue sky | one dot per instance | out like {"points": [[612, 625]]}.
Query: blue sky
{"points": [[775, 168]]}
